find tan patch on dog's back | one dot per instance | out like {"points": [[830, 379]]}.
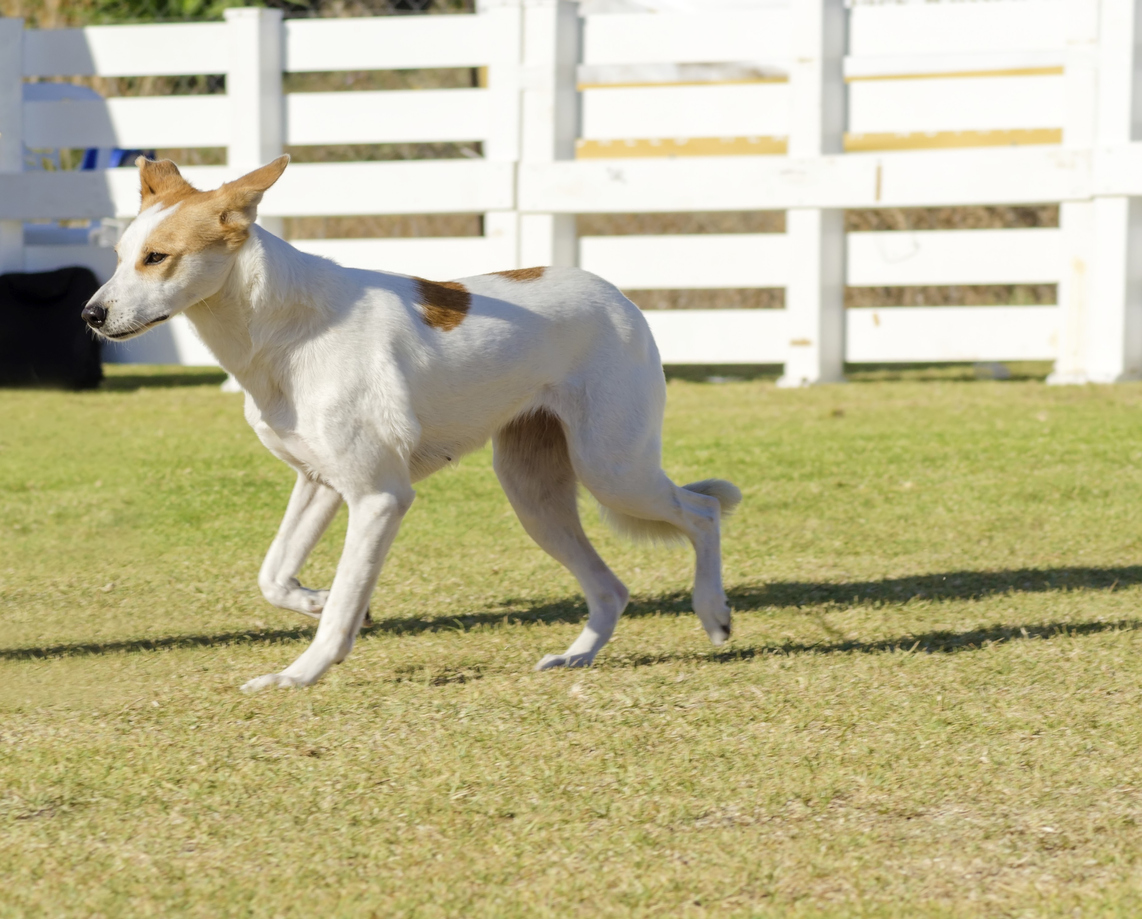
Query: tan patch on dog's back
{"points": [[443, 304], [522, 274]]}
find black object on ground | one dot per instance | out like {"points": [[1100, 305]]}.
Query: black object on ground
{"points": [[43, 341]]}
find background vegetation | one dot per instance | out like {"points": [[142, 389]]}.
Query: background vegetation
{"points": [[50, 14]]}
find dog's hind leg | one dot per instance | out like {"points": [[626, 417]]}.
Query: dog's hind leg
{"points": [[639, 505], [311, 508], [374, 518], [532, 464], [616, 451]]}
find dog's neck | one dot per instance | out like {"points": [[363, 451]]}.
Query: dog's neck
{"points": [[269, 298]]}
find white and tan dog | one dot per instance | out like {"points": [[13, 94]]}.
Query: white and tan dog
{"points": [[365, 382]]}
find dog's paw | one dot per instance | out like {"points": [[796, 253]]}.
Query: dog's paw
{"points": [[293, 596], [308, 602], [716, 618], [551, 661], [278, 680]]}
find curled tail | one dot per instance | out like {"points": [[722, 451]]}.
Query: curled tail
{"points": [[639, 529]]}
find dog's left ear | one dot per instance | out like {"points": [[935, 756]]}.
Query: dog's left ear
{"points": [[240, 198]]}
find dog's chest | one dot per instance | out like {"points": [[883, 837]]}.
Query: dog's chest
{"points": [[289, 447]]}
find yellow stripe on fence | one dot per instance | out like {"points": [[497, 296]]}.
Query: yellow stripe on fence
{"points": [[941, 140], [777, 146], [660, 84], [962, 74], [687, 146]]}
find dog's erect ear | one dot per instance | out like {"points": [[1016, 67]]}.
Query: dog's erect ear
{"points": [[240, 198], [161, 180]]}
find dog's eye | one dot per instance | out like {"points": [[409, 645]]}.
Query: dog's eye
{"points": [[153, 258]]}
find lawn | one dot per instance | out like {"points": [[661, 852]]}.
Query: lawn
{"points": [[931, 704]]}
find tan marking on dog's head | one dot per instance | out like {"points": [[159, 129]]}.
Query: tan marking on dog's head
{"points": [[443, 304], [522, 274], [200, 219]]}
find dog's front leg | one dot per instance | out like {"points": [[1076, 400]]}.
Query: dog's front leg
{"points": [[373, 523], [311, 508]]}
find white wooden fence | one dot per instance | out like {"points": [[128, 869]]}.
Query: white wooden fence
{"points": [[807, 106]]}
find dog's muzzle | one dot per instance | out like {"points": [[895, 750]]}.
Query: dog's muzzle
{"points": [[94, 315]]}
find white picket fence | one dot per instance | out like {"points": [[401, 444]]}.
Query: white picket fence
{"points": [[807, 106]]}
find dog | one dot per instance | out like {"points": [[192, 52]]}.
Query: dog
{"points": [[366, 382]]}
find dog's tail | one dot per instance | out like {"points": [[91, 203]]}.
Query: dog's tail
{"points": [[659, 531]]}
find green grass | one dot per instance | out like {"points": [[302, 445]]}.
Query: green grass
{"points": [[931, 704]]}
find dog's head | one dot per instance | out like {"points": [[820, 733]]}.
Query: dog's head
{"points": [[180, 248]]}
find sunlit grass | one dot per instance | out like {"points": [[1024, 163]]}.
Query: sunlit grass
{"points": [[930, 706]]}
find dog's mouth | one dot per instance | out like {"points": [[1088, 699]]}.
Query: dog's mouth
{"points": [[138, 330]]}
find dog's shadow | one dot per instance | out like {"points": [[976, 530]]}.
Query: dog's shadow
{"points": [[162, 379], [952, 585]]}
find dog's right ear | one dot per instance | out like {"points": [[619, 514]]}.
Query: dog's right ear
{"points": [[161, 181]]}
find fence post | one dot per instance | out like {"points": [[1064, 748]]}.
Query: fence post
{"points": [[549, 120], [815, 292], [1076, 218], [254, 85], [1114, 319], [505, 20], [11, 133]]}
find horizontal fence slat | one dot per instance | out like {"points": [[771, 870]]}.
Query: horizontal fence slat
{"points": [[100, 260], [956, 104], [709, 260], [306, 189], [440, 259], [686, 111], [712, 261], [719, 336], [402, 187], [858, 180], [1024, 175], [682, 38], [127, 51], [900, 66], [599, 76], [1028, 256], [85, 195], [156, 121], [399, 116], [386, 43], [918, 334], [64, 195], [944, 28]]}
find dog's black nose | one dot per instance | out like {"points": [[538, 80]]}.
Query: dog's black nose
{"points": [[94, 315]]}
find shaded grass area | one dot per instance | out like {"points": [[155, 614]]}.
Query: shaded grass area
{"points": [[868, 373], [122, 378], [930, 705], [960, 585]]}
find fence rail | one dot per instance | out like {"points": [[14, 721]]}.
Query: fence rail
{"points": [[809, 106]]}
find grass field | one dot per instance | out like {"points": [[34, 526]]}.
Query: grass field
{"points": [[931, 705]]}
